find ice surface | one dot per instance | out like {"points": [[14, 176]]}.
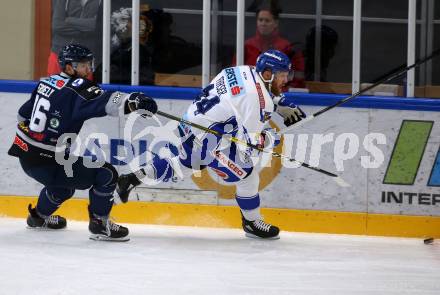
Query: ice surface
{"points": [[185, 260]]}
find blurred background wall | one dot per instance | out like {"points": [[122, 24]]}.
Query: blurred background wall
{"points": [[17, 39]]}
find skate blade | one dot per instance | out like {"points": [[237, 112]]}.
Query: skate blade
{"points": [[252, 236], [37, 228], [108, 239]]}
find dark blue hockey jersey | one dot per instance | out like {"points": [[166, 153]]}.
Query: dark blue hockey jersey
{"points": [[59, 104]]}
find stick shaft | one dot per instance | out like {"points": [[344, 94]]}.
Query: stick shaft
{"points": [[387, 78], [239, 141]]}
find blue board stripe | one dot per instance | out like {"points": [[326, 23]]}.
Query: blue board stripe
{"points": [[313, 99]]}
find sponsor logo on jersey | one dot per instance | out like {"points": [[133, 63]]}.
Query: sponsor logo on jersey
{"points": [[56, 114], [230, 165], [77, 82], [117, 97], [34, 135], [21, 144], [234, 81], [220, 86], [96, 90], [60, 83], [54, 123], [260, 96], [220, 173], [54, 82]]}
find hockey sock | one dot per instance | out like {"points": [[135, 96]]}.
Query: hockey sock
{"points": [[50, 199], [101, 203], [101, 193], [250, 206]]}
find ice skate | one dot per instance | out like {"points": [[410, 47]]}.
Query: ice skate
{"points": [[260, 229], [102, 228], [37, 220]]}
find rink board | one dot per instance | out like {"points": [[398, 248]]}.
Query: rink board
{"points": [[400, 196]]}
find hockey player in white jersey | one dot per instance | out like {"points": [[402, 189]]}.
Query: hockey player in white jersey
{"points": [[238, 102]]}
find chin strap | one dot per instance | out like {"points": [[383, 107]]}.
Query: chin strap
{"points": [[269, 82]]}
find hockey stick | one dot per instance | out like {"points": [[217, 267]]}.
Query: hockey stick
{"points": [[335, 177], [386, 78]]}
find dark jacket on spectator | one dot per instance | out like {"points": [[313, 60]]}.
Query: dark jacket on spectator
{"points": [[74, 23]]}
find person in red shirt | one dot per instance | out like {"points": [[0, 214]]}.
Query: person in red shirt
{"points": [[268, 37]]}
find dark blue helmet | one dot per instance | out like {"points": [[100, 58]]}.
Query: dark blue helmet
{"points": [[274, 60], [73, 53]]}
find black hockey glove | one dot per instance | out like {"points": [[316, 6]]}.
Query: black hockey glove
{"points": [[290, 112], [139, 101]]}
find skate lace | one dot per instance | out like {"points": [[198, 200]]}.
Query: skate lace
{"points": [[261, 225], [111, 226], [53, 219]]}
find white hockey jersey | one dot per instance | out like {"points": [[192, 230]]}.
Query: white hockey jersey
{"points": [[235, 102]]}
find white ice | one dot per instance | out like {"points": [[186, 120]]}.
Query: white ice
{"points": [[185, 260]]}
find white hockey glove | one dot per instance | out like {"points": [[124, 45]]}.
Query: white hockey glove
{"points": [[139, 101], [271, 138], [267, 139], [288, 110]]}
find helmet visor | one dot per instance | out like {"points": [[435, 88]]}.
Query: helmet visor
{"points": [[90, 64]]}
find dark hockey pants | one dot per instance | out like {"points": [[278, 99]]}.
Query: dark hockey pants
{"points": [[58, 187]]}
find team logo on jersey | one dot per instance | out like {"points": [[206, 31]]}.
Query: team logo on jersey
{"points": [[234, 81], [54, 123], [77, 82]]}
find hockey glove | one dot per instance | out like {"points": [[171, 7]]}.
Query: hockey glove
{"points": [[267, 139], [288, 110], [139, 101], [271, 138]]}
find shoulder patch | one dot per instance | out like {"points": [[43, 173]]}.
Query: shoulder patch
{"points": [[86, 88], [77, 82]]}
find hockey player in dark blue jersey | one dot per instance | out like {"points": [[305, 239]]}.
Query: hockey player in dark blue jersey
{"points": [[61, 104]]}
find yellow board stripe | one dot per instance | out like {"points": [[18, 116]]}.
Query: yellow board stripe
{"points": [[229, 216]]}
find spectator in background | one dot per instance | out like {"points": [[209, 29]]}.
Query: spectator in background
{"points": [[73, 21], [172, 53], [120, 58], [267, 37], [329, 40]]}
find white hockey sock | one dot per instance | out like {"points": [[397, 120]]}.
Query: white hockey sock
{"points": [[251, 215]]}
